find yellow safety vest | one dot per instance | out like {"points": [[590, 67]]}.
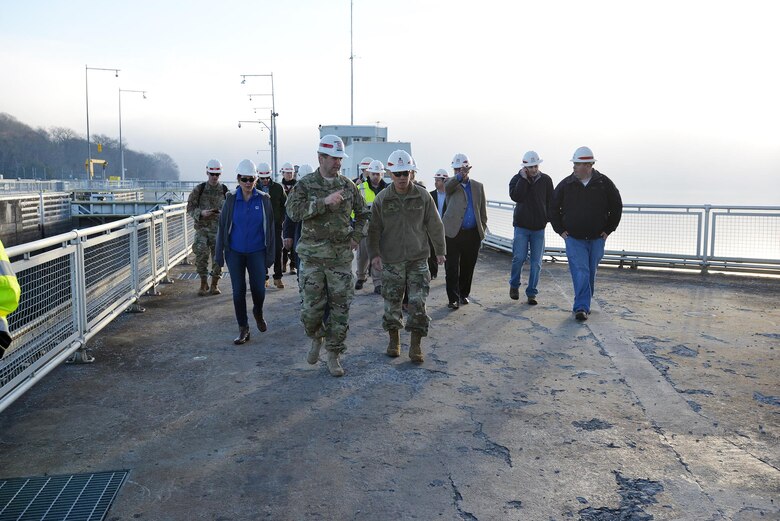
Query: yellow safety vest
{"points": [[367, 193], [9, 297]]}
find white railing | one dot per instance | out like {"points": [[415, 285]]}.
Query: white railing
{"points": [[703, 237], [74, 284], [67, 185]]}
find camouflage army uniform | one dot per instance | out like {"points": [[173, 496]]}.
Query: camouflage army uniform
{"points": [[325, 278], [211, 198], [401, 226]]}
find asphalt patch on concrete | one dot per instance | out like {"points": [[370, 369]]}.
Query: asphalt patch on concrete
{"points": [[682, 350], [592, 425], [768, 400], [634, 495]]}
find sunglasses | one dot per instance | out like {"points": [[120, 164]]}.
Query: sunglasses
{"points": [[212, 174], [401, 174], [246, 179]]}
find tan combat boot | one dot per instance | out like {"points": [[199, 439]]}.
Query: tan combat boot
{"points": [[314, 351], [204, 287], [334, 366], [394, 346], [278, 283], [215, 286], [415, 351]]}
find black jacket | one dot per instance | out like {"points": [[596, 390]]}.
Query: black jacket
{"points": [[533, 201], [435, 196], [586, 211], [278, 200]]}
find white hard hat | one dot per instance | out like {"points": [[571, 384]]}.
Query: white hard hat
{"points": [[531, 158], [441, 174], [213, 167], [375, 167], [263, 170], [365, 162], [305, 169], [460, 161], [332, 145], [400, 161], [583, 155], [286, 168], [246, 167]]}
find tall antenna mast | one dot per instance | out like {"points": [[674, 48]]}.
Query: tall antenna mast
{"points": [[351, 71]]}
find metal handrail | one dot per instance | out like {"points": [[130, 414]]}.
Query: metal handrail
{"points": [[706, 235], [74, 284]]}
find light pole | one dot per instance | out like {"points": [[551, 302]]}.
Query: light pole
{"points": [[272, 141], [274, 114], [121, 149], [87, 68]]}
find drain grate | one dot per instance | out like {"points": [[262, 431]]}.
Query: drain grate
{"points": [[73, 497]]}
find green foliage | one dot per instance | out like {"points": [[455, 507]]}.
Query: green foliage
{"points": [[60, 153]]}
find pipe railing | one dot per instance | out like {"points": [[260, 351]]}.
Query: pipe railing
{"points": [[76, 283], [703, 237]]}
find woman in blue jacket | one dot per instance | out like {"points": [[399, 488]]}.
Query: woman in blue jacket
{"points": [[245, 240]]}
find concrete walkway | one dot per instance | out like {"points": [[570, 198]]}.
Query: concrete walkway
{"points": [[665, 405]]}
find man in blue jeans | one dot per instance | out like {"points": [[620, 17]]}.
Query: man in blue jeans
{"points": [[586, 208], [532, 191]]}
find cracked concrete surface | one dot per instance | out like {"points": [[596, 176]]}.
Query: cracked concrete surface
{"points": [[518, 413]]}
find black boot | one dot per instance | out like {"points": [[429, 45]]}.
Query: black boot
{"points": [[261, 323], [243, 336]]}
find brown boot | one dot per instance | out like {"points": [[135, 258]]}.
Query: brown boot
{"points": [[314, 352], [394, 346], [204, 287], [278, 283], [215, 286], [415, 351], [334, 366]]}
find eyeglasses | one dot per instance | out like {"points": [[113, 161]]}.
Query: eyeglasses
{"points": [[246, 179], [214, 174], [401, 174]]}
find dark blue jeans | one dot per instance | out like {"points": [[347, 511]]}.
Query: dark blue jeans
{"points": [[239, 264], [583, 257], [526, 239]]}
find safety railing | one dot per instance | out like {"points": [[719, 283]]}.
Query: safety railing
{"points": [[75, 283], [703, 237], [67, 185]]}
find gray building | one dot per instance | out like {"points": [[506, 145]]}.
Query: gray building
{"points": [[361, 141]]}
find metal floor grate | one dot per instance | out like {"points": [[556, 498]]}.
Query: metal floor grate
{"points": [[73, 497], [195, 276]]}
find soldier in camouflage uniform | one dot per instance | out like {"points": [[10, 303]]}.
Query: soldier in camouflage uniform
{"points": [[203, 205], [403, 219], [324, 201]]}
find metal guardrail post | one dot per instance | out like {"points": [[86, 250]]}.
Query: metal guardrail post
{"points": [[79, 291], [41, 212], [166, 246], [153, 256], [186, 260], [705, 264], [135, 270]]}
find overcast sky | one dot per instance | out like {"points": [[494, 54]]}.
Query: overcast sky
{"points": [[678, 99]]}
